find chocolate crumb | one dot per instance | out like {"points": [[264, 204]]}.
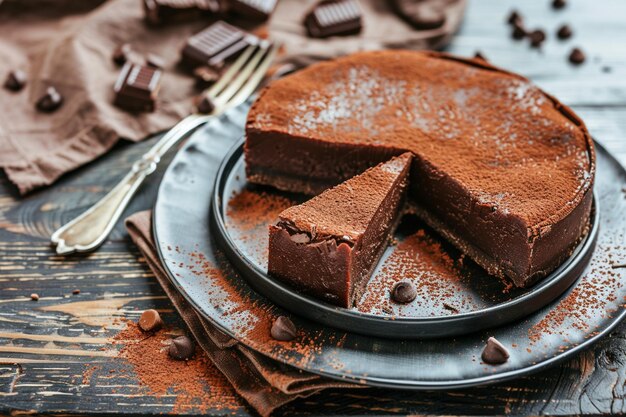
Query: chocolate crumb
{"points": [[494, 352], [283, 329], [450, 307], [564, 32], [403, 292], [181, 348], [537, 37], [577, 56], [122, 54], [559, 4], [204, 104], [76, 291], [518, 33], [15, 81], [479, 55], [150, 321], [50, 101], [34, 297], [515, 18]]}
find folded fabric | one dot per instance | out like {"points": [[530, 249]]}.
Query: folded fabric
{"points": [[264, 383], [69, 44]]}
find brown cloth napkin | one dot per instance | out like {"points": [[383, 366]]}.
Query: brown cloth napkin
{"points": [[68, 44], [265, 384]]}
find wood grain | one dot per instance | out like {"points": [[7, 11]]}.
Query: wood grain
{"points": [[48, 347]]}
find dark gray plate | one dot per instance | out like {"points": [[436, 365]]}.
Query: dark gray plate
{"points": [[203, 274], [454, 297]]}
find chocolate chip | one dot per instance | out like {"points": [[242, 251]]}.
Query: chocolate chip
{"points": [[494, 352], [403, 292], [577, 56], [34, 297], [205, 76], [422, 15], [16, 80], [76, 291], [204, 104], [479, 55], [283, 329], [518, 32], [515, 18], [122, 54], [155, 61], [181, 348], [50, 101], [559, 4], [537, 37], [150, 321], [564, 32]]}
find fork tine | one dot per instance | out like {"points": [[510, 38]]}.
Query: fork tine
{"points": [[222, 98], [255, 79], [230, 72]]}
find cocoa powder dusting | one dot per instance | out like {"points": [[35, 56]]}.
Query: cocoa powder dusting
{"points": [[198, 385]]}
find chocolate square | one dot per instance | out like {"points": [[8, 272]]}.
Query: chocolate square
{"points": [[334, 18], [137, 87], [165, 11], [253, 9]]}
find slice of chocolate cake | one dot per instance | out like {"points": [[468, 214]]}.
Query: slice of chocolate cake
{"points": [[329, 246], [501, 169]]}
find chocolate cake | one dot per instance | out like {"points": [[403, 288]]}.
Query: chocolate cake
{"points": [[502, 170], [329, 246]]}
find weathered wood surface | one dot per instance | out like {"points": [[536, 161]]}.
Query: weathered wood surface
{"points": [[46, 346]]}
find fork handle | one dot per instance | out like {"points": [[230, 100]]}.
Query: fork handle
{"points": [[89, 230]]}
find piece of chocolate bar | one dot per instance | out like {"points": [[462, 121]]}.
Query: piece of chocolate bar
{"points": [[166, 11], [215, 45], [137, 87], [334, 18], [253, 9]]}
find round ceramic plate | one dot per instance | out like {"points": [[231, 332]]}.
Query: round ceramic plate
{"points": [[455, 296], [590, 308]]}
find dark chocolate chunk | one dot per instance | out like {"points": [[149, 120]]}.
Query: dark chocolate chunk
{"points": [[515, 18], [518, 32], [283, 329], [564, 32], [76, 291], [559, 4], [34, 297], [181, 348], [205, 105], [577, 56], [16, 80], [334, 18], [206, 76], [122, 53], [494, 352], [158, 12], [214, 45], [150, 321], [253, 9], [403, 292], [537, 37], [479, 55], [137, 87], [155, 61], [50, 101], [422, 15]]}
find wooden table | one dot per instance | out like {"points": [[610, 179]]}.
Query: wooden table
{"points": [[47, 346]]}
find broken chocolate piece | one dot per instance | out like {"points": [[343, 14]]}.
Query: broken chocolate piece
{"points": [[577, 56], [181, 348], [150, 321], [403, 292], [564, 32], [253, 9], [494, 352], [422, 15], [334, 18], [214, 45], [137, 87], [283, 329], [15, 81], [122, 54], [50, 101], [158, 12]]}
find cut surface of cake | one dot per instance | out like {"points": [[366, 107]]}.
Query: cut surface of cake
{"points": [[502, 170], [328, 246]]}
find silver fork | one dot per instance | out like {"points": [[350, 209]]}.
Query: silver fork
{"points": [[89, 230]]}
